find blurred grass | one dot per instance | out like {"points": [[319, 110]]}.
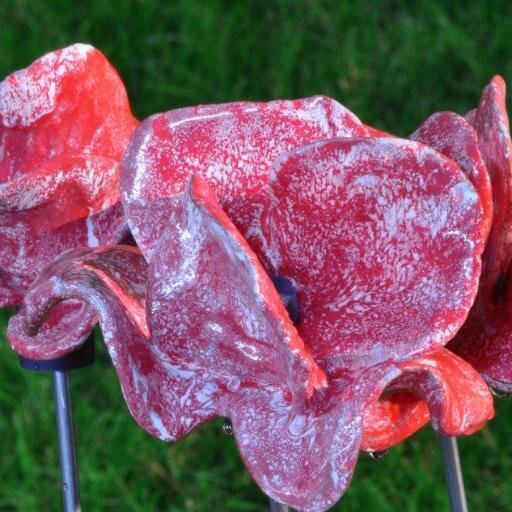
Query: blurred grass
{"points": [[393, 63]]}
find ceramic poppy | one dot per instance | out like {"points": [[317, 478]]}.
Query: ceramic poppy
{"points": [[232, 146], [380, 238], [64, 124]]}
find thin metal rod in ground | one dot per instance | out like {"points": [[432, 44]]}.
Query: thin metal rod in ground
{"points": [[453, 473], [70, 492], [277, 507]]}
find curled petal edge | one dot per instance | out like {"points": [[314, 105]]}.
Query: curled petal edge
{"points": [[439, 386]]}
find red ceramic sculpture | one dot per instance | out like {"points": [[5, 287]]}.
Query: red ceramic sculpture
{"points": [[64, 124], [232, 146], [381, 239], [486, 338]]}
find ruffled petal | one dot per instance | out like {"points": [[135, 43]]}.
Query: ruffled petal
{"points": [[70, 101], [453, 136], [111, 281], [166, 396], [204, 270], [382, 239], [300, 457], [232, 146], [439, 386], [485, 340]]}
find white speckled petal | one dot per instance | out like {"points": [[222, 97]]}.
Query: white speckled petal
{"points": [[232, 146], [300, 454], [382, 239], [64, 124], [226, 314], [453, 136], [68, 101]]}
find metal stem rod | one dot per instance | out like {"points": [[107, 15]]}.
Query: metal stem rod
{"points": [[70, 491], [277, 507], [453, 474]]}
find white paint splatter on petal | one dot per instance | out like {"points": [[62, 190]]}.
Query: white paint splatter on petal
{"points": [[163, 433], [29, 94], [92, 240]]}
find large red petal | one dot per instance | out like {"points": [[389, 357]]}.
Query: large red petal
{"points": [[453, 136], [440, 386], [68, 101], [382, 238], [485, 340], [204, 270], [232, 146]]}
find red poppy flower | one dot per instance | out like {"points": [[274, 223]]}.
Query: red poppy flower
{"points": [[64, 124], [380, 238], [485, 340]]}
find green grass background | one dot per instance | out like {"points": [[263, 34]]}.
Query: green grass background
{"points": [[391, 62]]}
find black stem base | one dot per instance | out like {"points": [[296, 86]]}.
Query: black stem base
{"points": [[80, 358]]}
